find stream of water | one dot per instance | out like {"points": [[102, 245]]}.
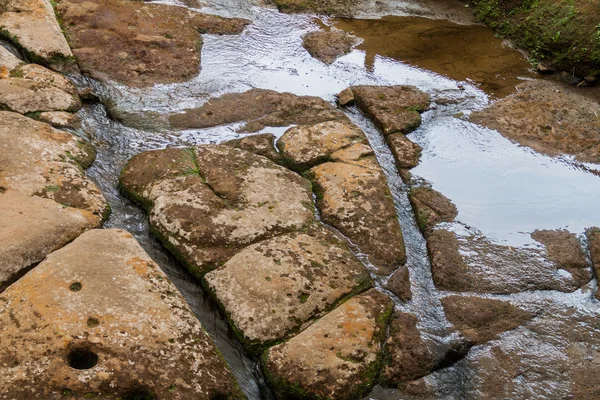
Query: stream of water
{"points": [[504, 190]]}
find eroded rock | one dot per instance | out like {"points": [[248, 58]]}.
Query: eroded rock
{"points": [[8, 61], [473, 263], [406, 152], [431, 207], [337, 357], [392, 108], [207, 203], [593, 237], [40, 74], [399, 284], [481, 320], [32, 26], [273, 288], [548, 118], [60, 119], [259, 108], [138, 43], [27, 96], [327, 46], [262, 144], [100, 319]]}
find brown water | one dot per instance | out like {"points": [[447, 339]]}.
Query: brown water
{"points": [[458, 52]]}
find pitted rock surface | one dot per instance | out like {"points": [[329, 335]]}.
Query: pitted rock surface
{"points": [[273, 288], [338, 356], [99, 319], [262, 144], [406, 153], [431, 207], [209, 202], [28, 96]]}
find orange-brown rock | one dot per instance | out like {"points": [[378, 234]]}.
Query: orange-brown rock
{"points": [[593, 237], [405, 152], [327, 46], [431, 207], [99, 319], [399, 284], [262, 144]]}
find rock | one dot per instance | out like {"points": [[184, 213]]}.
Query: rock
{"points": [[345, 97], [406, 153], [356, 200], [137, 43], [475, 264], [260, 108], [339, 8], [407, 355], [399, 284], [47, 164], [37, 73], [481, 320], [99, 319], [27, 96], [431, 207], [392, 108], [207, 203], [8, 60], [31, 25], [549, 118], [262, 144], [60, 119], [593, 237], [274, 288], [328, 46], [338, 357], [305, 146]]}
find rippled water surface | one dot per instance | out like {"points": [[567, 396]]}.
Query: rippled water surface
{"points": [[504, 190]]}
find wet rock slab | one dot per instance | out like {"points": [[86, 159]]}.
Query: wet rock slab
{"points": [[337, 357], [259, 108], [473, 263], [207, 203], [99, 319], [137, 43], [431, 207], [327, 46], [549, 118], [593, 237], [32, 25], [273, 288], [406, 153], [399, 284]]}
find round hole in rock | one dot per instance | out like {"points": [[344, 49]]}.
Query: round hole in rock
{"points": [[82, 358], [93, 322], [138, 394], [75, 287]]}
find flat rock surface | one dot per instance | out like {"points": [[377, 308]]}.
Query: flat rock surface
{"points": [[392, 108], [208, 202], [338, 356], [137, 43], [28, 96], [406, 153], [327, 46], [274, 287], [99, 319], [475, 264], [32, 24], [40, 74], [259, 108], [262, 144], [431, 207], [549, 118], [60, 119]]}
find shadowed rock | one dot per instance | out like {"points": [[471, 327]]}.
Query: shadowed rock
{"points": [[548, 118], [8, 62], [337, 357], [328, 46], [137, 43], [431, 207], [593, 236], [273, 288], [99, 319], [399, 284]]}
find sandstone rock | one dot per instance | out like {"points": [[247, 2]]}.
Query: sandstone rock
{"points": [[328, 46], [340, 8], [356, 200], [431, 207], [32, 25], [99, 319], [337, 357], [27, 96], [207, 203], [37, 73], [474, 264], [407, 355], [593, 237], [399, 284], [392, 108], [261, 144], [345, 97], [260, 108], [137, 43], [406, 153], [8, 60], [549, 118], [60, 119], [274, 288], [481, 320], [305, 146]]}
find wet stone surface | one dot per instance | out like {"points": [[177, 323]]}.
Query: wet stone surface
{"points": [[327, 46]]}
